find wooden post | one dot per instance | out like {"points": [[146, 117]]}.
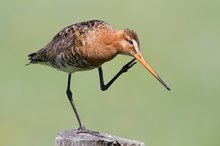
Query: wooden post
{"points": [[72, 138]]}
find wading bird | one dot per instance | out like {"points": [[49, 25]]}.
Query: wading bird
{"points": [[87, 45]]}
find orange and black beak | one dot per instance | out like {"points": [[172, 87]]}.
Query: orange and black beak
{"points": [[141, 59]]}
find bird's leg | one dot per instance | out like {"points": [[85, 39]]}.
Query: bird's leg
{"points": [[123, 70], [81, 128], [69, 95]]}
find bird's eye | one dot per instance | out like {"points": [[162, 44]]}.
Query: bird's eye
{"points": [[130, 42]]}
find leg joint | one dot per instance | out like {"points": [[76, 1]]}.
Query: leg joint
{"points": [[69, 94]]}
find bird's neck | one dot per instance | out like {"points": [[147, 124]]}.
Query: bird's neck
{"points": [[107, 46]]}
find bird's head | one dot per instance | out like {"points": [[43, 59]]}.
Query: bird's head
{"points": [[129, 42], [130, 46]]}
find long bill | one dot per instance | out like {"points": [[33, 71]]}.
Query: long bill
{"points": [[141, 59]]}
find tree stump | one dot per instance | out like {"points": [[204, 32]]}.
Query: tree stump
{"points": [[73, 137]]}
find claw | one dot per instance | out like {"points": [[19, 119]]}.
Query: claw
{"points": [[84, 130], [128, 65], [130, 62]]}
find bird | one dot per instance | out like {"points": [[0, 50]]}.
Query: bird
{"points": [[88, 45]]}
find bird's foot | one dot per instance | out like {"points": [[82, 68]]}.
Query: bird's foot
{"points": [[128, 65], [86, 131]]}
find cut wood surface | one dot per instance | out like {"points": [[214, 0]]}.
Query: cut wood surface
{"points": [[74, 137]]}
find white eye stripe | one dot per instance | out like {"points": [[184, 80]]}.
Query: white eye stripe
{"points": [[136, 46]]}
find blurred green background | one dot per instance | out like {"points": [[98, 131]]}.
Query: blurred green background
{"points": [[179, 38]]}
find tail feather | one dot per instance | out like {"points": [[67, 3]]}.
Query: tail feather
{"points": [[33, 57]]}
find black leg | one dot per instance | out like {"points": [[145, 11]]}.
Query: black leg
{"points": [[123, 70], [81, 129], [69, 95]]}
